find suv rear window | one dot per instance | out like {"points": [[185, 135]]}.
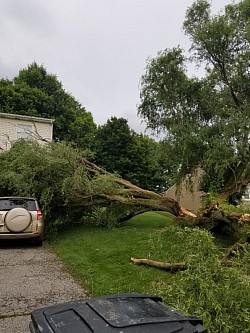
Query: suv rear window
{"points": [[8, 204]]}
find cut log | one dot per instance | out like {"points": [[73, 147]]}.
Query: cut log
{"points": [[162, 265]]}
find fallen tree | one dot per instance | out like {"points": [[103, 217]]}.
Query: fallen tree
{"points": [[68, 186], [137, 199]]}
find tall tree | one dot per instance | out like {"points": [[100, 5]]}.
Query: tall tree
{"points": [[206, 120], [35, 92], [112, 145], [133, 156]]}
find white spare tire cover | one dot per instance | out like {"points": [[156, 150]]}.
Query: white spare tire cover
{"points": [[17, 219]]}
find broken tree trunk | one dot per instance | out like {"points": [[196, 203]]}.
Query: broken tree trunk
{"points": [[162, 265], [137, 200], [213, 219]]}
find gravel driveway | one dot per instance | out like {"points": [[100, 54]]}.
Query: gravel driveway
{"points": [[31, 278]]}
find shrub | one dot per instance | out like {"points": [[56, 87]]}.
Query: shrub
{"points": [[57, 176], [219, 295]]}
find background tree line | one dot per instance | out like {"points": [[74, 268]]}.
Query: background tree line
{"points": [[205, 119], [114, 146]]}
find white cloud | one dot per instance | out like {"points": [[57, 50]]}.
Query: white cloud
{"points": [[97, 48]]}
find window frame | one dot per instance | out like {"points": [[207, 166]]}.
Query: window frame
{"points": [[24, 131]]}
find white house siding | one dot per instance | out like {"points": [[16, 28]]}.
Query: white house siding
{"points": [[246, 196], [188, 194], [10, 125], [191, 198]]}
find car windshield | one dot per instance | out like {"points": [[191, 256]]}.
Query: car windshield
{"points": [[10, 203]]}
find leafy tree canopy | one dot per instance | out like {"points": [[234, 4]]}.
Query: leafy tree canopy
{"points": [[205, 120], [116, 147], [68, 186], [34, 92], [133, 156]]}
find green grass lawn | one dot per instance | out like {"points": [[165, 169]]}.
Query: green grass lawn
{"points": [[100, 258]]}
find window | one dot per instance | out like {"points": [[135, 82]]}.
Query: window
{"points": [[10, 203], [24, 131], [246, 195]]}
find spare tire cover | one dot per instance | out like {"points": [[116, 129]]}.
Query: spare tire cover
{"points": [[17, 219]]}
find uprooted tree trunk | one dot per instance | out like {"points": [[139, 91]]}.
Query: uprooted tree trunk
{"points": [[143, 200], [139, 200], [214, 219]]}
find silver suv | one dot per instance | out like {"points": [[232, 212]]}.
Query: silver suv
{"points": [[21, 217]]}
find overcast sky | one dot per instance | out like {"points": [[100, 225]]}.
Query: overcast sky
{"points": [[96, 48]]}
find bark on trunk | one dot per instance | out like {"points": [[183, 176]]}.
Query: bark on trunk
{"points": [[137, 199], [158, 264], [238, 179]]}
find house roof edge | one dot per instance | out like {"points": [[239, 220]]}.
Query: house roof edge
{"points": [[22, 117]]}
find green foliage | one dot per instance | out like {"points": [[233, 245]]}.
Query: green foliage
{"points": [[106, 217], [150, 166], [243, 209], [66, 185], [112, 144], [100, 258], [54, 173], [134, 157], [34, 92], [206, 120], [206, 289], [245, 259], [210, 199]]}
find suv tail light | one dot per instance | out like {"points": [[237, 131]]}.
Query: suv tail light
{"points": [[39, 214]]}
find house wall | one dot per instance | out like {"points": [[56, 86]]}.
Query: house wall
{"points": [[191, 199], [188, 194], [246, 196], [41, 128]]}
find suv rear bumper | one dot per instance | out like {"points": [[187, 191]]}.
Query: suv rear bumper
{"points": [[11, 235]]}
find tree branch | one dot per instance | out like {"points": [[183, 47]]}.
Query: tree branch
{"points": [[162, 265]]}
